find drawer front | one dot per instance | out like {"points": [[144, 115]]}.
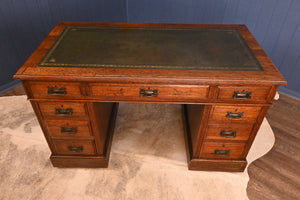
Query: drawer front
{"points": [[147, 92], [229, 132], [55, 90], [234, 113], [75, 147], [239, 93], [218, 150], [69, 128], [61, 110]]}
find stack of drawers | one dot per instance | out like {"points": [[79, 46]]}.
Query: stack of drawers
{"points": [[228, 130], [228, 126], [69, 127]]}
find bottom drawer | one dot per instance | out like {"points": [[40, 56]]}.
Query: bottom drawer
{"points": [[219, 150], [75, 147]]}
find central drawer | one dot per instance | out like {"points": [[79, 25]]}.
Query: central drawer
{"points": [[142, 92]]}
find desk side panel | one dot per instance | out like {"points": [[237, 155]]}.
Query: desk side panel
{"points": [[196, 120]]}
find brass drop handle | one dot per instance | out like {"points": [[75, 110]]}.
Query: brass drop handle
{"points": [[55, 91], [223, 153], [63, 112], [242, 95], [76, 149], [148, 92], [235, 116], [68, 130], [228, 134]]}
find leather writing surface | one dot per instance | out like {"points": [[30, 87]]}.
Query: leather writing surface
{"points": [[153, 48]]}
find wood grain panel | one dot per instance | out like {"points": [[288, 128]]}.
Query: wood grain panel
{"points": [[195, 115], [102, 116]]}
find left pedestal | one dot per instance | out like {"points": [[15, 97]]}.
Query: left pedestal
{"points": [[79, 134]]}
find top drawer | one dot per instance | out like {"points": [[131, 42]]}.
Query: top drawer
{"points": [[56, 90], [243, 93], [63, 110]]}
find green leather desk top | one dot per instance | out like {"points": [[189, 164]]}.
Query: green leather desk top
{"points": [[151, 48]]}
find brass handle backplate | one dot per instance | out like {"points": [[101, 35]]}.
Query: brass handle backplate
{"points": [[235, 116], [63, 112], [242, 95], [228, 134], [224, 153], [55, 91], [68, 130], [148, 92], [76, 149]]}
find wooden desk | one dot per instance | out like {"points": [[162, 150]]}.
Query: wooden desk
{"points": [[223, 78]]}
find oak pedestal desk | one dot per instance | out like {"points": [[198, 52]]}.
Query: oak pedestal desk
{"points": [[219, 73]]}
